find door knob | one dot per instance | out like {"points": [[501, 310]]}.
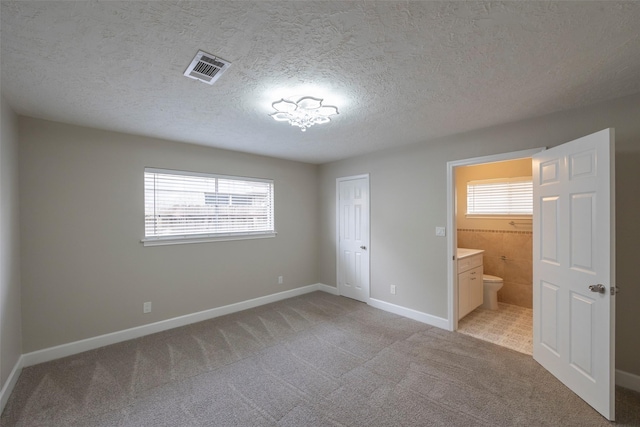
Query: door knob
{"points": [[363, 247], [597, 288]]}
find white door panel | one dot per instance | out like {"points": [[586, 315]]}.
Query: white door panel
{"points": [[353, 237], [549, 322], [574, 327]]}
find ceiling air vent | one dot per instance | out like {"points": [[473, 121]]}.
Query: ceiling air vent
{"points": [[206, 67]]}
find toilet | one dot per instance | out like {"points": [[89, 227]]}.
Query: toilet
{"points": [[490, 287]]}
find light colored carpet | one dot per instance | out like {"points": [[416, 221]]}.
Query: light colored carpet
{"points": [[314, 360], [510, 326]]}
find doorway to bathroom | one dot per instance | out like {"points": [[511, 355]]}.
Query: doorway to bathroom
{"points": [[573, 262], [494, 209], [495, 250]]}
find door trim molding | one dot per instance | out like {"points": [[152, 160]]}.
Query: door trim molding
{"points": [[452, 292], [337, 246]]}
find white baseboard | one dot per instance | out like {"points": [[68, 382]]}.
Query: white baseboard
{"points": [[429, 319], [628, 380], [623, 379], [76, 347], [328, 289], [12, 379]]}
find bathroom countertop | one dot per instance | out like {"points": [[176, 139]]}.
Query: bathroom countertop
{"points": [[464, 252]]}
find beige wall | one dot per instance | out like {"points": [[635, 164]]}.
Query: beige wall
{"points": [[464, 174], [408, 200], [84, 270], [10, 318], [509, 255]]}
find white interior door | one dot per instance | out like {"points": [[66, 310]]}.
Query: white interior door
{"points": [[353, 237], [574, 266]]}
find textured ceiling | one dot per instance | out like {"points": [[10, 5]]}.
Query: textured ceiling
{"points": [[400, 72]]}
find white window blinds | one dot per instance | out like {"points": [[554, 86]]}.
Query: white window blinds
{"points": [[181, 205], [506, 196]]}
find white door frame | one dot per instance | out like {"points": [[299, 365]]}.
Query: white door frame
{"points": [[368, 252], [451, 221]]}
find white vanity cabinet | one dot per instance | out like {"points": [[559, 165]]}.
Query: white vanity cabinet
{"points": [[469, 280]]}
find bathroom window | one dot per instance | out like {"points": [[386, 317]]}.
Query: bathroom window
{"points": [[500, 197], [186, 207]]}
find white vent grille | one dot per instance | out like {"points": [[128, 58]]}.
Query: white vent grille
{"points": [[206, 67]]}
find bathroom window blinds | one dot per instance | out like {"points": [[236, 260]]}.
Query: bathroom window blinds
{"points": [[188, 205], [505, 196]]}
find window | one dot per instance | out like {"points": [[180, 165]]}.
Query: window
{"points": [[183, 207], [500, 197]]}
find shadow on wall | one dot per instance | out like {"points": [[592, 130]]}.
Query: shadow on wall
{"points": [[627, 218], [507, 254], [627, 243]]}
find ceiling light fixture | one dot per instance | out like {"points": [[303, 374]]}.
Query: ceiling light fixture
{"points": [[303, 113]]}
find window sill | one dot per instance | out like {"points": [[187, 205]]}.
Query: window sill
{"points": [[485, 216], [163, 241]]}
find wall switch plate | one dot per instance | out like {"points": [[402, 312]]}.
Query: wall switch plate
{"points": [[146, 307], [393, 289], [280, 280], [441, 231]]}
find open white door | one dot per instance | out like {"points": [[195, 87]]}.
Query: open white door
{"points": [[353, 237], [574, 266]]}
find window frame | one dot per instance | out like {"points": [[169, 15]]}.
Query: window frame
{"points": [[500, 215], [158, 240]]}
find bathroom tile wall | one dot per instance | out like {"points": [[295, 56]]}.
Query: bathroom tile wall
{"points": [[515, 268]]}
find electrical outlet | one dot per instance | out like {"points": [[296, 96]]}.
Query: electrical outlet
{"points": [[393, 289], [280, 280], [441, 231], [146, 307]]}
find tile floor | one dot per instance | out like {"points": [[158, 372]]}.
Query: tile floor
{"points": [[510, 326]]}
